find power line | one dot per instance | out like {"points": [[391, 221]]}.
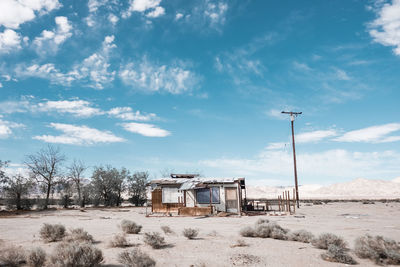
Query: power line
{"points": [[292, 116]]}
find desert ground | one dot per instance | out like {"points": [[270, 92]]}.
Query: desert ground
{"points": [[213, 247]]}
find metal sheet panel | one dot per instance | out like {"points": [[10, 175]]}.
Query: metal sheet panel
{"points": [[171, 195]]}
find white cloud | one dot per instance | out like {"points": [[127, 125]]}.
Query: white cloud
{"points": [[51, 40], [216, 12], [15, 12], [96, 67], [113, 19], [145, 129], [126, 113], [205, 15], [150, 77], [78, 108], [6, 128], [93, 71], [329, 165], [276, 114], [178, 16], [385, 29], [342, 75], [157, 12], [79, 135], [96, 18], [152, 8], [9, 41], [373, 134], [314, 136], [301, 66], [46, 71], [278, 145], [93, 5]]}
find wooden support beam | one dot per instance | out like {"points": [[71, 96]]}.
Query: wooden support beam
{"points": [[279, 203], [294, 201]]}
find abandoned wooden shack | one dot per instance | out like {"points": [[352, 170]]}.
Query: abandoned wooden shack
{"points": [[191, 195]]}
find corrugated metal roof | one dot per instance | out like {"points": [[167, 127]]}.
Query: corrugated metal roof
{"points": [[190, 183]]}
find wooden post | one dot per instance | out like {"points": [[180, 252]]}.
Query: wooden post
{"points": [[211, 200], [283, 199], [286, 201], [279, 203], [294, 201], [288, 194]]}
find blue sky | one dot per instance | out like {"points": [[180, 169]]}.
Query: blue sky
{"points": [[199, 86]]}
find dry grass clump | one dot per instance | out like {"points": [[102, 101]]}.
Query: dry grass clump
{"points": [[135, 258], [52, 232], [155, 240], [36, 257], [248, 231], [119, 241], [190, 233], [301, 236], [266, 230], [337, 254], [79, 235], [261, 221], [379, 249], [240, 243], [76, 254], [130, 227], [12, 256], [167, 230], [324, 240], [271, 230]]}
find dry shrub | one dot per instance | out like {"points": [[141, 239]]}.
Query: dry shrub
{"points": [[245, 260], [36, 258], [379, 249], [76, 254], [12, 256], [338, 254], [266, 230], [130, 227], [248, 232], [155, 240], [240, 243], [79, 235], [261, 221], [190, 233], [167, 230], [277, 232], [119, 241], [135, 258], [272, 230], [52, 232], [324, 240], [301, 236]]}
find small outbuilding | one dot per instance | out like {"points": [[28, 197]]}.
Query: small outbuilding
{"points": [[191, 195]]}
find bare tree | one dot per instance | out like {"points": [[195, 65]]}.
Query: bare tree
{"points": [[3, 175], [45, 167], [75, 172], [16, 187]]}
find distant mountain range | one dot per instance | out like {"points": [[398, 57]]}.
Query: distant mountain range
{"points": [[357, 189]]}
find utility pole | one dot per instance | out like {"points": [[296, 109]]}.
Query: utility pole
{"points": [[292, 116]]}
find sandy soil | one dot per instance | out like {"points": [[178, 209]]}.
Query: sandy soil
{"points": [[217, 234]]}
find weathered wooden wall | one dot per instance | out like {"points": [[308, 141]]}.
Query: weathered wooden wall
{"points": [[158, 206], [194, 211]]}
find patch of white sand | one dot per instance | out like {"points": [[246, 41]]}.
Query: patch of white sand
{"points": [[217, 234]]}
